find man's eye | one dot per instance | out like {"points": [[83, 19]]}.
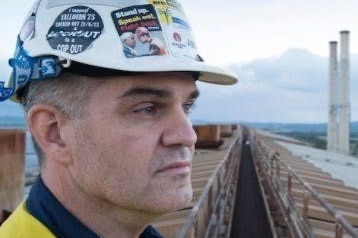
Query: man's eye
{"points": [[146, 110], [189, 107]]}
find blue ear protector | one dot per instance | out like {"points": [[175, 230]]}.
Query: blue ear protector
{"points": [[26, 69]]}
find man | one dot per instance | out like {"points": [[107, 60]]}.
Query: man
{"points": [[113, 132], [129, 43], [156, 46]]}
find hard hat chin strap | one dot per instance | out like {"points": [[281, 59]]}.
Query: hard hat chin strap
{"points": [[5, 93], [26, 69]]}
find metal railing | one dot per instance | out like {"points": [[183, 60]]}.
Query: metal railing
{"points": [[211, 215], [298, 223]]}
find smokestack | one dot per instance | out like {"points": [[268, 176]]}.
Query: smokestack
{"points": [[344, 125], [333, 120]]}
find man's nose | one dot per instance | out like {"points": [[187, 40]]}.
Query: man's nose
{"points": [[179, 131]]}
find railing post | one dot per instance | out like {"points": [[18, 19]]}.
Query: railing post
{"points": [[289, 184], [278, 165], [271, 165], [305, 205], [339, 230]]}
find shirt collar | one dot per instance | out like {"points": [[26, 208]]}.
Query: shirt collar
{"points": [[45, 207]]}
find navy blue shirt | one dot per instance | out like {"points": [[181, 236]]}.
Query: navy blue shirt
{"points": [[45, 207]]}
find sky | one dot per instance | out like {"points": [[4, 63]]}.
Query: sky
{"points": [[244, 35], [240, 30]]}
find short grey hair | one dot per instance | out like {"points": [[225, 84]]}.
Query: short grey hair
{"points": [[69, 93]]}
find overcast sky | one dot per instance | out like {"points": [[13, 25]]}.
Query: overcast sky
{"points": [[238, 32], [242, 30]]}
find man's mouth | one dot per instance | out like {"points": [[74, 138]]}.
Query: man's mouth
{"points": [[181, 167]]}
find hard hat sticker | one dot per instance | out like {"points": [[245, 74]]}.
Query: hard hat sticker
{"points": [[140, 31], [28, 29], [176, 27], [75, 29]]}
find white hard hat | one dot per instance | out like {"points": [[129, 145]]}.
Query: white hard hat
{"points": [[69, 34]]}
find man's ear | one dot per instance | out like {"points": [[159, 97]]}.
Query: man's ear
{"points": [[45, 123]]}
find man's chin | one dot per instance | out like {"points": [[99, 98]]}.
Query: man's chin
{"points": [[183, 198], [177, 200]]}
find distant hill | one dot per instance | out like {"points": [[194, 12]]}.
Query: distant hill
{"points": [[281, 127], [296, 127]]}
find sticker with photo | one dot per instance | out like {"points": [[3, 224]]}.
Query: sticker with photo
{"points": [[140, 31]]}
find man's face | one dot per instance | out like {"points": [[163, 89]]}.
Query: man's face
{"points": [[144, 38], [134, 147], [130, 41]]}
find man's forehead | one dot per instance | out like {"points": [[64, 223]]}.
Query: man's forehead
{"points": [[158, 79], [171, 82], [162, 86]]}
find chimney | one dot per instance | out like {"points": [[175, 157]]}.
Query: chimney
{"points": [[333, 120], [344, 89]]}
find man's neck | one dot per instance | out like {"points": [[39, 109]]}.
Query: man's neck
{"points": [[102, 217]]}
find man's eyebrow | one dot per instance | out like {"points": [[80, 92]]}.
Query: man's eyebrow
{"points": [[146, 91], [195, 94]]}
